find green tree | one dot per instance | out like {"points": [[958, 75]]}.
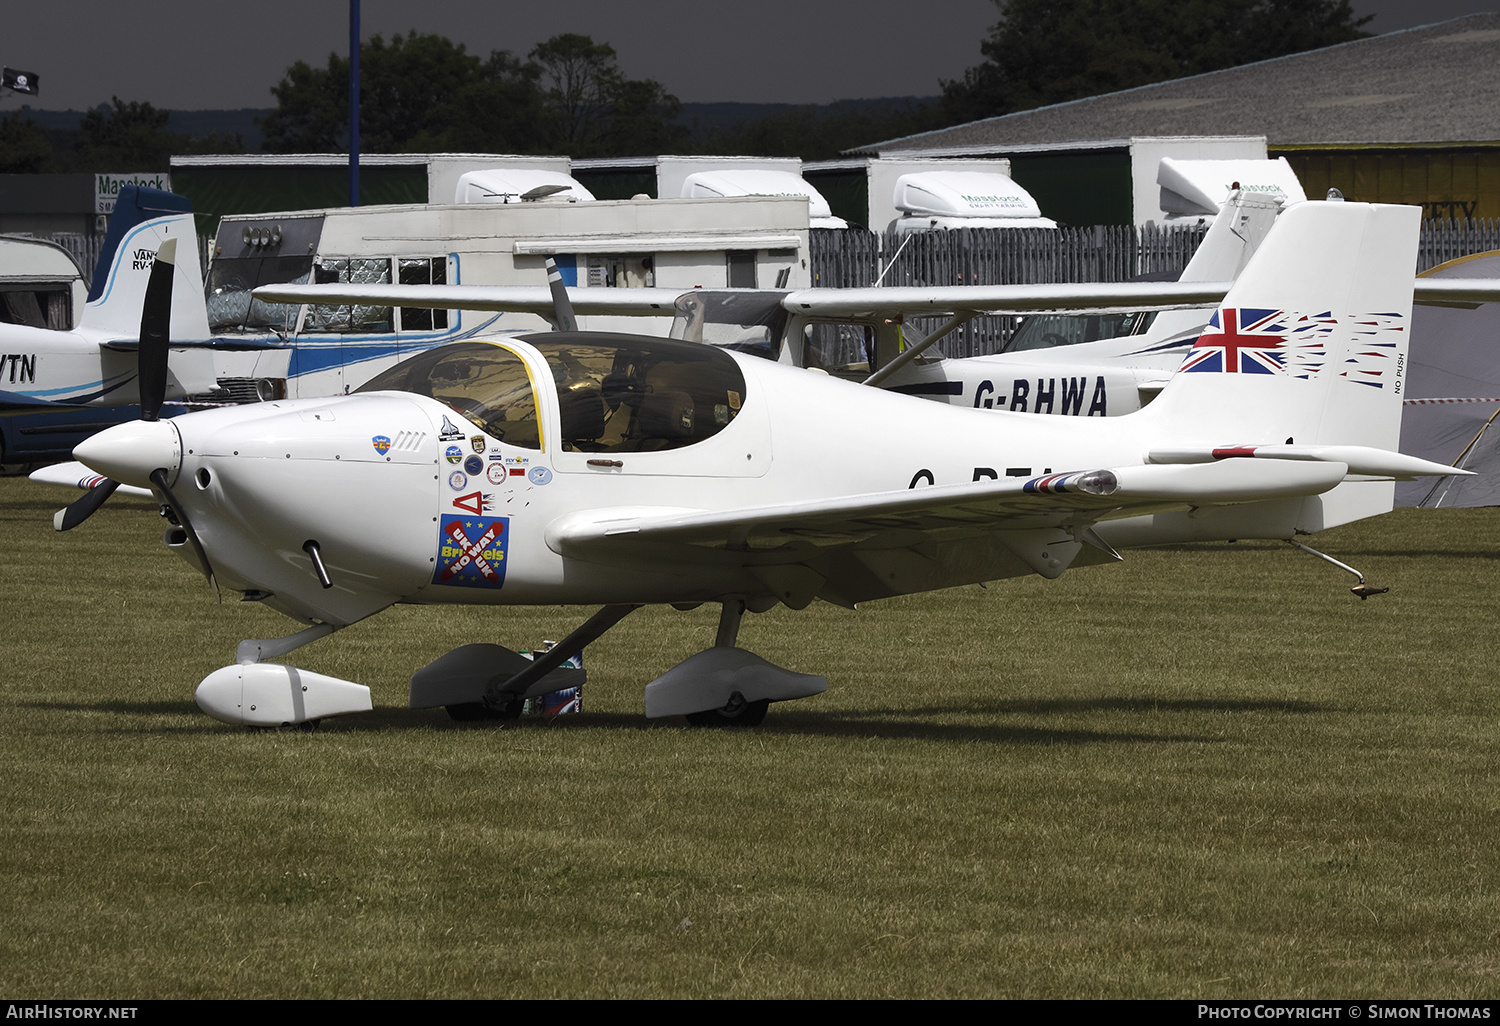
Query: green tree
{"points": [[1051, 51], [417, 93], [130, 136], [24, 148], [596, 110]]}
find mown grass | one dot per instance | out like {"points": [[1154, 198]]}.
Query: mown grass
{"points": [[1205, 772]]}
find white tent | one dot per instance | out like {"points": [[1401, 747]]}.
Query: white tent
{"points": [[1452, 395]]}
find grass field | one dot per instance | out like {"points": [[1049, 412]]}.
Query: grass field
{"points": [[1206, 772]]}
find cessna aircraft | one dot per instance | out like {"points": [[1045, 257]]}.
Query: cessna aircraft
{"points": [[615, 470], [1111, 361]]}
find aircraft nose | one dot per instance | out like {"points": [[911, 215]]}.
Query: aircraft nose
{"points": [[128, 453]]}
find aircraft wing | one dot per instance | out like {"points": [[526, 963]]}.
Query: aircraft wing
{"points": [[848, 305], [851, 549], [852, 305], [502, 298], [843, 306]]}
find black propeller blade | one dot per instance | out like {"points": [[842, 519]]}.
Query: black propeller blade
{"points": [[156, 324], [82, 509], [151, 373], [561, 304], [180, 517]]}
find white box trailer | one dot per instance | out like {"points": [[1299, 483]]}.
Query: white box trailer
{"points": [[725, 182], [934, 200], [1192, 191]]}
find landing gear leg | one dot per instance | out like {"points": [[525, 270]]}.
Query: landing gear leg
{"points": [[737, 712]]}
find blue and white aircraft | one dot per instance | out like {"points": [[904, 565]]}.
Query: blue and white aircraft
{"points": [[95, 363], [60, 386]]}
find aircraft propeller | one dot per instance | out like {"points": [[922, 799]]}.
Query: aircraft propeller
{"points": [[151, 362]]}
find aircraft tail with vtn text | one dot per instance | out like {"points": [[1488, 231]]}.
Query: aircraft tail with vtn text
{"points": [[142, 220], [1306, 359]]}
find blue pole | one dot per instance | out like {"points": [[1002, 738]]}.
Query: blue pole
{"points": [[354, 103]]}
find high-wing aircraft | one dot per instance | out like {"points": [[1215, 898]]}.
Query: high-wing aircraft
{"points": [[1094, 349], [615, 471]]}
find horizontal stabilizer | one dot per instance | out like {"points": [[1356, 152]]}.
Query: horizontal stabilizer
{"points": [[75, 475], [1362, 460]]}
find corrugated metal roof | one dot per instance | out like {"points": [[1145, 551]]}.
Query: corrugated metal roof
{"points": [[1436, 84]]}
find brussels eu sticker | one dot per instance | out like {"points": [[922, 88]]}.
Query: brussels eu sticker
{"points": [[471, 551]]}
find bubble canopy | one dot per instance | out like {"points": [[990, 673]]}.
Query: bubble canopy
{"points": [[615, 393]]}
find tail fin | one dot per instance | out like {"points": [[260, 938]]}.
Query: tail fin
{"points": [[142, 221], [1231, 241], [1308, 348]]}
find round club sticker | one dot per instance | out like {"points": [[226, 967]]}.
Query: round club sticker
{"points": [[474, 465], [454, 454], [458, 480], [539, 475], [496, 473]]}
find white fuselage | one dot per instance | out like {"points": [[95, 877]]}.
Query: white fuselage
{"points": [[261, 482]]}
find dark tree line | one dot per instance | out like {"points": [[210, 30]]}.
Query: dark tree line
{"points": [[120, 136], [424, 93]]}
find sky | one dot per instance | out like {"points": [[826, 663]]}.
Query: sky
{"points": [[190, 55]]}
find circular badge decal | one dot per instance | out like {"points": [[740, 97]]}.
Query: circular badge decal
{"points": [[454, 454], [496, 473], [474, 465], [539, 475], [458, 480]]}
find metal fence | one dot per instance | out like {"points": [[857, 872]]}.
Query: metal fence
{"points": [[993, 256], [852, 259], [1442, 241]]}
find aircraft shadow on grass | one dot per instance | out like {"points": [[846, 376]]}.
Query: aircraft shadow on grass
{"points": [[891, 723]]}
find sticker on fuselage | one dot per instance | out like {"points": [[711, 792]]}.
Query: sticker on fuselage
{"points": [[478, 443], [471, 551], [448, 432], [475, 502], [474, 465], [496, 473], [458, 480], [539, 475], [381, 443], [454, 454]]}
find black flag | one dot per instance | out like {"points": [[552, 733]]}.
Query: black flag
{"points": [[21, 81]]}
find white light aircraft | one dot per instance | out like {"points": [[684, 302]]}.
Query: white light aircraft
{"points": [[616, 471], [95, 363]]}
